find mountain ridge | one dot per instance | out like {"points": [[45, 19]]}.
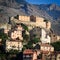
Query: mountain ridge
{"points": [[11, 8]]}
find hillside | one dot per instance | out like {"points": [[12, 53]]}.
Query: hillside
{"points": [[10, 8]]}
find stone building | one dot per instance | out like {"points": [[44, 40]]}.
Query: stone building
{"points": [[15, 42], [32, 20], [14, 45], [46, 48], [35, 21], [6, 27], [16, 32], [45, 38], [40, 33], [54, 37]]}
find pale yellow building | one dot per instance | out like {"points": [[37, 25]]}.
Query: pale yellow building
{"points": [[58, 57], [13, 45], [24, 18], [8, 27], [58, 37], [32, 20], [45, 38], [17, 33], [46, 48]]}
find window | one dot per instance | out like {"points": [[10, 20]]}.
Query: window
{"points": [[14, 46], [32, 18], [46, 35], [54, 35]]}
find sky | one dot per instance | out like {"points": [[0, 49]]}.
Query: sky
{"points": [[57, 2]]}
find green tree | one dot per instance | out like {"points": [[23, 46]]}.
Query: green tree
{"points": [[24, 26], [24, 34], [29, 45], [3, 36], [13, 51], [3, 56], [35, 40], [25, 37], [56, 45]]}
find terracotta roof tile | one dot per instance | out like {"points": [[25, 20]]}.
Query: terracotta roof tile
{"points": [[28, 51]]}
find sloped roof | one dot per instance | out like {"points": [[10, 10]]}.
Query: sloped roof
{"points": [[28, 51], [47, 45]]}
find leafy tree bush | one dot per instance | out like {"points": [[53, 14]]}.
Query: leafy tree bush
{"points": [[24, 26], [56, 45], [13, 51], [3, 36], [35, 40], [29, 45]]}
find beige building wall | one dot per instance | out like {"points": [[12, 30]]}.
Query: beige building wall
{"points": [[12, 18], [41, 24], [44, 37], [34, 56], [8, 27], [47, 48], [15, 45], [16, 34], [53, 38], [39, 19], [24, 18], [58, 38], [6, 31], [19, 28], [58, 57], [5, 26]]}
